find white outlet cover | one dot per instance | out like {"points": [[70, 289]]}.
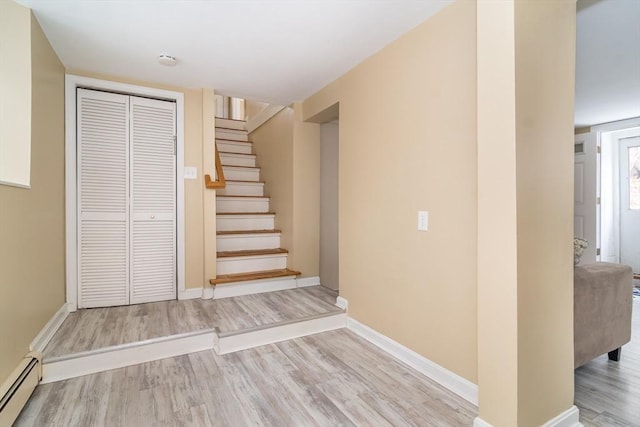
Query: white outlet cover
{"points": [[190, 172], [423, 220]]}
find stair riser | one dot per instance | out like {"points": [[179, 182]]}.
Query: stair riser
{"points": [[240, 223], [232, 135], [242, 175], [242, 190], [242, 243], [248, 264], [231, 147], [231, 124], [227, 160], [242, 205]]}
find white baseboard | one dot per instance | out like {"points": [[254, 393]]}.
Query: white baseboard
{"points": [[91, 362], [342, 303], [460, 386], [207, 293], [304, 282], [569, 418], [44, 336], [190, 293], [256, 337], [254, 287]]}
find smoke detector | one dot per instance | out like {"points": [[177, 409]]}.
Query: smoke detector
{"points": [[167, 60]]}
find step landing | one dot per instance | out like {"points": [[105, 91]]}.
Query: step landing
{"points": [[100, 339]]}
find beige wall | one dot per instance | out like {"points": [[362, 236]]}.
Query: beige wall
{"points": [[288, 153], [525, 194], [408, 143], [15, 94], [545, 73], [193, 139], [273, 145], [32, 274], [329, 260]]}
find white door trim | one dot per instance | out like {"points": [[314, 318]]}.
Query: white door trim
{"points": [[72, 82]]}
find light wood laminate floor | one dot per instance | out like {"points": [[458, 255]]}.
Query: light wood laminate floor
{"points": [[329, 379], [608, 393], [96, 328]]}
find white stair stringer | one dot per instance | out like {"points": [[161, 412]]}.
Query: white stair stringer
{"points": [[231, 342], [248, 241], [247, 264]]}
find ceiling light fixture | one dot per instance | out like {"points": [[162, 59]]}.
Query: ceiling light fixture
{"points": [[167, 60]]}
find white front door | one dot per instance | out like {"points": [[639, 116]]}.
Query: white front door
{"points": [[585, 194], [126, 199], [630, 202]]}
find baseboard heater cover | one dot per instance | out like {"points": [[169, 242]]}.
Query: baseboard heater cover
{"points": [[17, 389]]}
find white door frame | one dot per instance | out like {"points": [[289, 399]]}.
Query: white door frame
{"points": [[599, 130], [72, 82]]}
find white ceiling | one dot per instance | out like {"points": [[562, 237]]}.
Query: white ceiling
{"points": [[268, 50], [607, 61], [285, 50]]}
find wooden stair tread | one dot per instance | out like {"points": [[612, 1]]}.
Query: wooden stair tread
{"points": [[233, 140], [238, 232], [243, 182], [243, 167], [235, 154], [254, 275], [225, 118], [245, 213], [222, 128], [252, 252], [242, 197]]}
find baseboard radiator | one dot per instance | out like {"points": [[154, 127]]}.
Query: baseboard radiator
{"points": [[17, 389]]}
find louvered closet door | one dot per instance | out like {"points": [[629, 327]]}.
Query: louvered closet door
{"points": [[103, 188], [153, 195]]}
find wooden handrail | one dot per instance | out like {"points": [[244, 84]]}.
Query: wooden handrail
{"points": [[220, 183]]}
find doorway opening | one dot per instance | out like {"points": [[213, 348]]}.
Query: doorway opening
{"points": [[619, 166]]}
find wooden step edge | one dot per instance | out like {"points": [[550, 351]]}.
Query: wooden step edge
{"points": [[244, 213], [254, 275], [233, 120], [251, 252], [240, 232], [233, 129], [237, 181], [233, 140], [229, 153], [241, 197], [243, 167]]}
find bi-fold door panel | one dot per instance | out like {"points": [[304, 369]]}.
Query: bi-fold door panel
{"points": [[153, 175], [103, 191], [126, 199]]}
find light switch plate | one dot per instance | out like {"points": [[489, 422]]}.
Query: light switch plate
{"points": [[190, 172], [423, 220]]}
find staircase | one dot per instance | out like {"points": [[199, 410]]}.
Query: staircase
{"points": [[249, 256]]}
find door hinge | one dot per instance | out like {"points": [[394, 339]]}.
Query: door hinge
{"points": [[598, 251], [175, 143], [599, 149], [597, 200]]}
